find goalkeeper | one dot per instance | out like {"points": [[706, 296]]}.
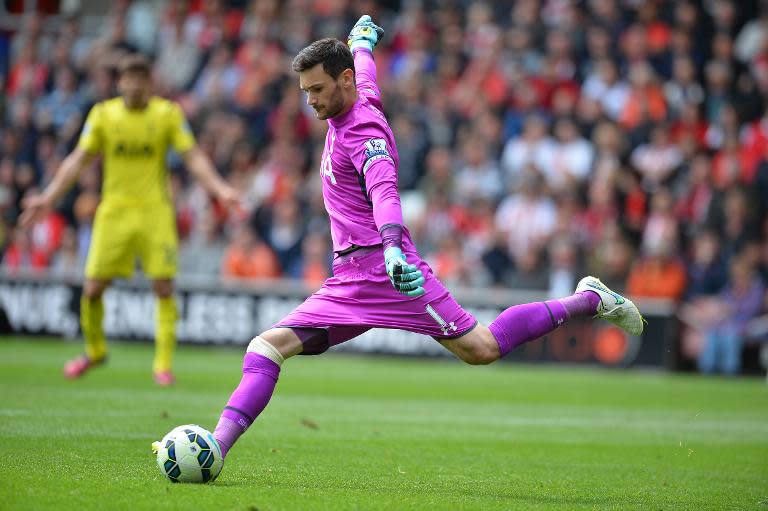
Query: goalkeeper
{"points": [[379, 280], [135, 218]]}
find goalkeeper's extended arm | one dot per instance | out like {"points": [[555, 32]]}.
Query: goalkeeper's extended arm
{"points": [[387, 213], [406, 278], [362, 40]]}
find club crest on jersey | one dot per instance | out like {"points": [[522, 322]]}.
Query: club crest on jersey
{"points": [[375, 149]]}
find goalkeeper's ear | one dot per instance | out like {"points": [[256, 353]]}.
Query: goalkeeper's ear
{"points": [[347, 79]]}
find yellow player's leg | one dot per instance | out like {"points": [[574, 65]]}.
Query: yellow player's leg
{"points": [[92, 319], [158, 247], [166, 315], [112, 254]]}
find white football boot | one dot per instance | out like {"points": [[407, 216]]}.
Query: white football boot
{"points": [[613, 307]]}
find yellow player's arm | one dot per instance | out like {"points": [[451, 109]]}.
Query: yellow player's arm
{"points": [[36, 206], [201, 167]]}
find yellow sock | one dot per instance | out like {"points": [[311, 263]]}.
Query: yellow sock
{"points": [[91, 319], [165, 333]]}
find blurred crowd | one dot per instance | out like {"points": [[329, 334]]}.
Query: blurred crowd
{"points": [[538, 139]]}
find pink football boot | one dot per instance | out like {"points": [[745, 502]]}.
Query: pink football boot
{"points": [[164, 378], [77, 367]]}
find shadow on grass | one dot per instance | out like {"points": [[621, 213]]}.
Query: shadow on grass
{"points": [[232, 484]]}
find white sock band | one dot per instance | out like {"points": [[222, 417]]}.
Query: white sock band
{"points": [[263, 348]]}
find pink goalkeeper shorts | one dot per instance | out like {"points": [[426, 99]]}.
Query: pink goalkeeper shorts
{"points": [[360, 296]]}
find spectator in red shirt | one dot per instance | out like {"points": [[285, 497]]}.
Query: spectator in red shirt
{"points": [[28, 74], [21, 254]]}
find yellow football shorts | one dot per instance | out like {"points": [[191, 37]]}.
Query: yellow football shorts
{"points": [[123, 233]]}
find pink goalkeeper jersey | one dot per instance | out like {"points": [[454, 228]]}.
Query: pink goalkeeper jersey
{"points": [[359, 166]]}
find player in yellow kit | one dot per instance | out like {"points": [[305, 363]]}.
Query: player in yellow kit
{"points": [[135, 218]]}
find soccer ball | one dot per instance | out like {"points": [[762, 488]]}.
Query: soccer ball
{"points": [[189, 454]]}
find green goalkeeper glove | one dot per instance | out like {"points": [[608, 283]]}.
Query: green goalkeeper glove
{"points": [[406, 278], [365, 34]]}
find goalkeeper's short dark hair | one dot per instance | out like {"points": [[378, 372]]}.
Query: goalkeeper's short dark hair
{"points": [[334, 55]]}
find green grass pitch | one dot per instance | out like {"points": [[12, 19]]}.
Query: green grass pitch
{"points": [[357, 433]]}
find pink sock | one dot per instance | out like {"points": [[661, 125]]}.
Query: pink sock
{"points": [[583, 303], [248, 400], [523, 323]]}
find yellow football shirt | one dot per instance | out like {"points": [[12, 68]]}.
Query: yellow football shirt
{"points": [[134, 145]]}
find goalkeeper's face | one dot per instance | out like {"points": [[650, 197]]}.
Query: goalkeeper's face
{"points": [[328, 97]]}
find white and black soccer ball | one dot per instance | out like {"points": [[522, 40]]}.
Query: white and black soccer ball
{"points": [[189, 454]]}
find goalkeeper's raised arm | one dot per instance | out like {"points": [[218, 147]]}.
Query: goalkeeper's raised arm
{"points": [[363, 38]]}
